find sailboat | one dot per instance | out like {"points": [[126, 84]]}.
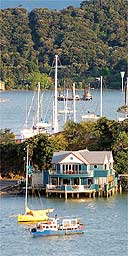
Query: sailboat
{"points": [[123, 110], [87, 93], [38, 125], [32, 215], [91, 116]]}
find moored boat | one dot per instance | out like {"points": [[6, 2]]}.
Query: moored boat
{"points": [[56, 226], [32, 215], [87, 94], [90, 117]]}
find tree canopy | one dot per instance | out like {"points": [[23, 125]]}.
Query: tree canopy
{"points": [[101, 135], [90, 41]]}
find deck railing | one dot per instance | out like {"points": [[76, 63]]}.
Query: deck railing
{"points": [[79, 188], [71, 172]]}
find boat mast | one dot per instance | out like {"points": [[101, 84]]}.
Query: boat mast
{"points": [[126, 98], [122, 73], [55, 106], [66, 107], [38, 102], [126, 93], [74, 103], [26, 190], [101, 96]]}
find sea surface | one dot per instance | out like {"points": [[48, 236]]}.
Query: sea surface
{"points": [[32, 4], [13, 110], [106, 227]]}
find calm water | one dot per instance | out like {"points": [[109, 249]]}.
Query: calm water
{"points": [[13, 111], [106, 233], [31, 4]]}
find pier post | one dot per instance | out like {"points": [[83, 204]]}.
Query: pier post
{"points": [[94, 194], [77, 195], [65, 195], [89, 195], [60, 195], [120, 189], [116, 189], [72, 195], [47, 194]]}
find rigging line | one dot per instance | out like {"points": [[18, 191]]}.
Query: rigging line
{"points": [[41, 98], [48, 107], [97, 100], [52, 67], [39, 196], [28, 114], [13, 205]]}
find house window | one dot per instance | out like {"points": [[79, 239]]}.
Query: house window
{"points": [[71, 158], [58, 167], [54, 167], [95, 166], [105, 166]]}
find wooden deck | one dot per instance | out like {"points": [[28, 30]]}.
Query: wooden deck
{"points": [[76, 193]]}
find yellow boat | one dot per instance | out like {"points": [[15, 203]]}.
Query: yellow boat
{"points": [[32, 215]]}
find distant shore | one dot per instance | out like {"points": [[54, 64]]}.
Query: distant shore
{"points": [[6, 185]]}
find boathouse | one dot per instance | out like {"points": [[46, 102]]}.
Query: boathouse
{"points": [[83, 171]]}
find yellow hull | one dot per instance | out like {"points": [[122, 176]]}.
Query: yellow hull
{"points": [[30, 218]]}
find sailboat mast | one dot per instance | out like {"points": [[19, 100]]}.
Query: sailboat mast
{"points": [[55, 109], [26, 190], [126, 93], [38, 102], [101, 96], [66, 107], [74, 103]]}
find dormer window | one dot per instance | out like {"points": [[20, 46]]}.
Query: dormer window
{"points": [[71, 158], [95, 166]]}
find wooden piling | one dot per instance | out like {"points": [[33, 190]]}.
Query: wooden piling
{"points": [[78, 195], [120, 189]]}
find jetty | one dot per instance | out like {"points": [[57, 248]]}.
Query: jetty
{"points": [[9, 186]]}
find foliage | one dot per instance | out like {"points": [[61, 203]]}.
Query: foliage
{"points": [[120, 150], [10, 156], [42, 152], [7, 137], [78, 135], [105, 132], [101, 135], [90, 41]]}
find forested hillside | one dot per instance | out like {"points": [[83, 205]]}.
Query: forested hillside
{"points": [[90, 41]]}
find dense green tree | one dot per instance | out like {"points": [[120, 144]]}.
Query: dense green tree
{"points": [[101, 135], [42, 152], [120, 150], [106, 132], [11, 162], [7, 137], [90, 41]]}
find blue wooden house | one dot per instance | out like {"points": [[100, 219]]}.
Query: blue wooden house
{"points": [[81, 170]]}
